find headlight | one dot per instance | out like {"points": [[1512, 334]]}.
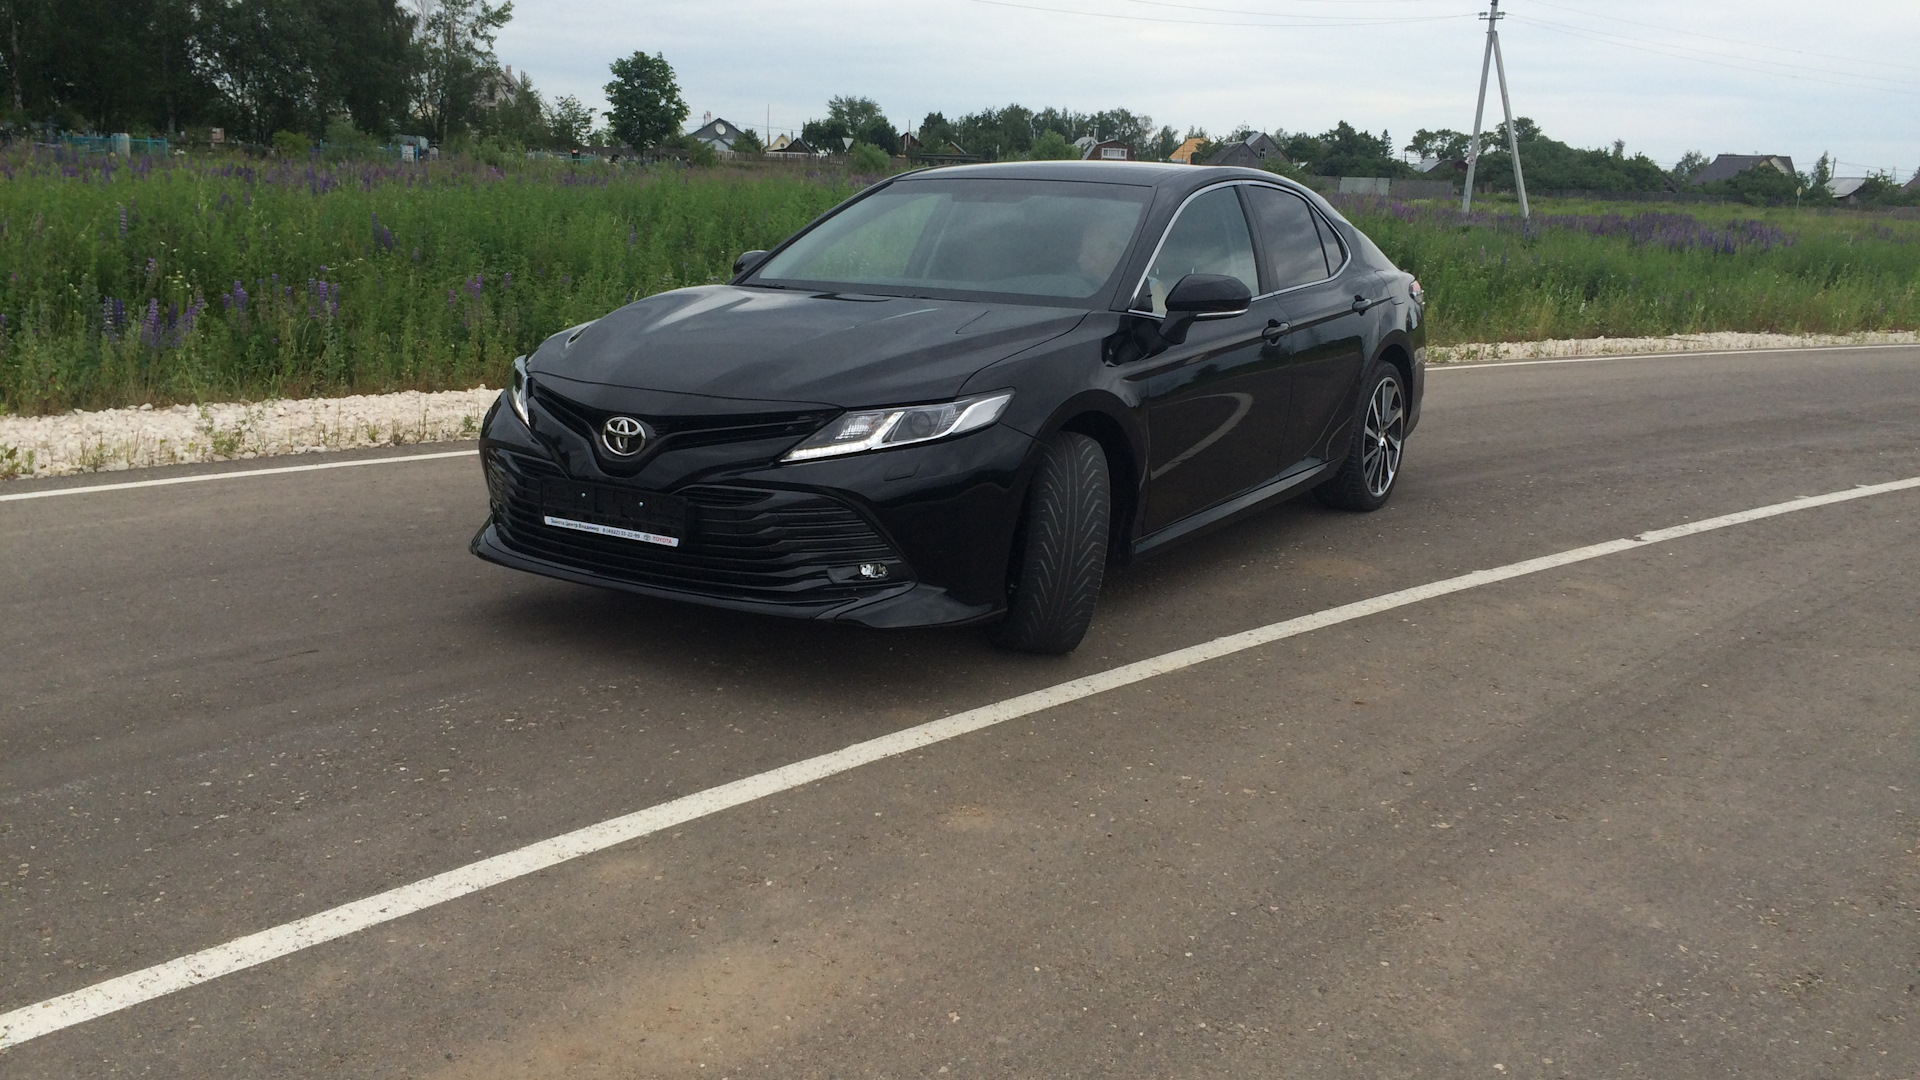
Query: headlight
{"points": [[519, 390], [881, 429]]}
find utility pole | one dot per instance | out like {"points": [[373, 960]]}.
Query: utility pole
{"points": [[1494, 59]]}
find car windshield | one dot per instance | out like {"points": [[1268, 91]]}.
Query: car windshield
{"points": [[1050, 239]]}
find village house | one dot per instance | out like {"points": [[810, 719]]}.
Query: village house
{"points": [[1728, 166], [1251, 152]]}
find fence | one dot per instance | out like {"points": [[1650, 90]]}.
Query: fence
{"points": [[123, 145], [1384, 187]]}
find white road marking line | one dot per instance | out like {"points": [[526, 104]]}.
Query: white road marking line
{"points": [[239, 474], [113, 995], [1476, 365]]}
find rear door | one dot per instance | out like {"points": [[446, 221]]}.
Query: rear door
{"points": [[1217, 403], [1318, 342]]}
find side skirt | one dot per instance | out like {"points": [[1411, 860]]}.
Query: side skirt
{"points": [[1300, 477]]}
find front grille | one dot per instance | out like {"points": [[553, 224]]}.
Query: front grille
{"points": [[742, 543], [680, 432]]}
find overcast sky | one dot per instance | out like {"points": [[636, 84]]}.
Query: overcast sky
{"points": [[1667, 76]]}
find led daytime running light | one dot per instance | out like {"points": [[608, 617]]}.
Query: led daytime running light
{"points": [[881, 429], [518, 390]]}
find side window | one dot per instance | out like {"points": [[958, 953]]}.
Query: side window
{"points": [[1292, 235], [1331, 243], [1209, 237]]}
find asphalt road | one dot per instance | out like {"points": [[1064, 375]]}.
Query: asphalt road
{"points": [[1652, 815]]}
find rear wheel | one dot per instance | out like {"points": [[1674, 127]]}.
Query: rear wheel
{"points": [[1062, 556], [1372, 462]]}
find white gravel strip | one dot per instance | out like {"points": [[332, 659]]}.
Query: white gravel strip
{"points": [[1603, 346], [114, 439]]}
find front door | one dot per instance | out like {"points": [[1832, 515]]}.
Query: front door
{"points": [[1217, 403]]}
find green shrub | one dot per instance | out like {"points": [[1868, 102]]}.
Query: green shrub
{"points": [[867, 158], [291, 144]]}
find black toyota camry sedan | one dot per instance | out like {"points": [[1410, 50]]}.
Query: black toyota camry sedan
{"points": [[963, 394]]}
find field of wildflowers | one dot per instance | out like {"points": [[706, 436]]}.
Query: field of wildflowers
{"points": [[197, 279], [1582, 270]]}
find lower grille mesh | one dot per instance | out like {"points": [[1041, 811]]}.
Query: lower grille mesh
{"points": [[753, 544]]}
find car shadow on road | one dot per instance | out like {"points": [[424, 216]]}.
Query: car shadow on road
{"points": [[569, 624]]}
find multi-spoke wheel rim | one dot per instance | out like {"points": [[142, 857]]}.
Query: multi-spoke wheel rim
{"points": [[1386, 428]]}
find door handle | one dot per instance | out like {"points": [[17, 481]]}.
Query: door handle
{"points": [[1277, 330], [1361, 304]]}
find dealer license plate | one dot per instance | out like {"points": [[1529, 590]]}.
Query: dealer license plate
{"points": [[604, 510]]}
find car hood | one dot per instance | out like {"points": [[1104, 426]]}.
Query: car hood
{"points": [[845, 350]]}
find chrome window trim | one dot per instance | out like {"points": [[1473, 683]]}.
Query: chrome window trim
{"points": [[1242, 181], [1345, 248], [1164, 233]]}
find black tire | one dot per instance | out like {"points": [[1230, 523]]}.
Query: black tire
{"points": [[1061, 557], [1372, 463]]}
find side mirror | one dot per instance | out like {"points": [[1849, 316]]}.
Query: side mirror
{"points": [[1203, 296], [747, 261]]}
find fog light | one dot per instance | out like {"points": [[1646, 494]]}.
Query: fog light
{"points": [[873, 571]]}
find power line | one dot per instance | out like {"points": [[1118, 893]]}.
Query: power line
{"points": [[1702, 57], [1708, 52], [1317, 21], [1727, 40]]}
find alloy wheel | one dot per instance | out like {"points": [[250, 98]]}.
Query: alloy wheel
{"points": [[1386, 428]]}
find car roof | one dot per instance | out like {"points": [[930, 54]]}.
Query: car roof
{"points": [[1170, 175]]}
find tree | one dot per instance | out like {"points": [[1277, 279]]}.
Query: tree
{"points": [[517, 117], [1443, 143], [935, 133], [256, 53], [458, 63], [1165, 142], [1816, 182], [1687, 168], [1052, 146], [568, 122], [848, 117], [647, 107], [368, 60], [746, 142], [1528, 130]]}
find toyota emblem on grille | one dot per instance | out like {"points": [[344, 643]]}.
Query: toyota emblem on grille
{"points": [[623, 436]]}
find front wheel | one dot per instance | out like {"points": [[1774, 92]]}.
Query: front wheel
{"points": [[1372, 461], [1062, 557]]}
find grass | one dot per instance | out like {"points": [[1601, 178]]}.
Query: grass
{"points": [[197, 280], [1581, 270], [190, 281]]}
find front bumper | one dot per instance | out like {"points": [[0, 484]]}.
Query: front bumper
{"points": [[776, 539]]}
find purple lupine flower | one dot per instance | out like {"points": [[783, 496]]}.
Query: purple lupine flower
{"points": [[123, 221], [506, 280], [453, 298], [113, 318], [475, 284], [150, 326], [236, 300]]}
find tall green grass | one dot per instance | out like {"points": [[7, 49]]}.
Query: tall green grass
{"points": [[1582, 269], [118, 285], [196, 280]]}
